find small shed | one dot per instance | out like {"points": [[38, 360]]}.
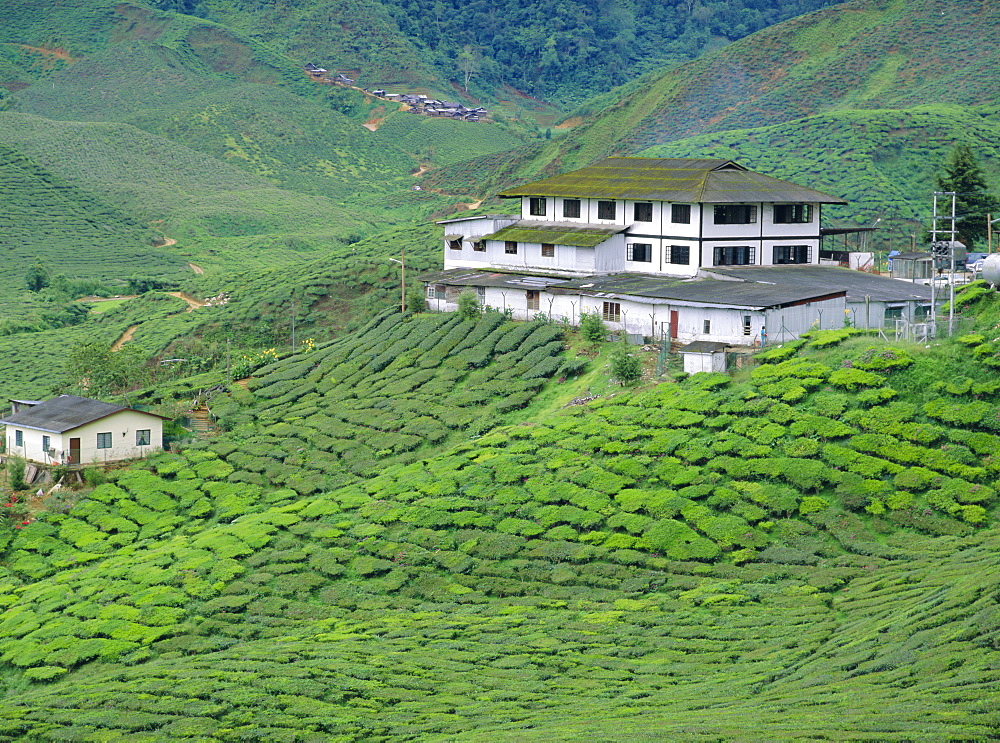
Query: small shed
{"points": [[913, 266], [704, 356]]}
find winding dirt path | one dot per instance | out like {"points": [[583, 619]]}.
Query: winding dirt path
{"points": [[420, 171], [192, 303], [197, 269], [168, 241]]}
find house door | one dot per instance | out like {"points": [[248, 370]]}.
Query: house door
{"points": [[74, 451], [674, 322]]}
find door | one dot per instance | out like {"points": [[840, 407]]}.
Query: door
{"points": [[674, 322], [74, 451]]}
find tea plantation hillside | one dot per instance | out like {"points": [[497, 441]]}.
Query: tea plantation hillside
{"points": [[72, 231], [808, 550]]}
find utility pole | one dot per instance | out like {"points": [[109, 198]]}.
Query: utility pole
{"points": [[402, 280], [938, 252], [989, 234], [293, 323]]}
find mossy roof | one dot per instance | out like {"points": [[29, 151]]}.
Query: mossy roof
{"points": [[556, 233], [696, 181]]}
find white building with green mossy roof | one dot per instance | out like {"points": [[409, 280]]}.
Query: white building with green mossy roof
{"points": [[690, 250]]}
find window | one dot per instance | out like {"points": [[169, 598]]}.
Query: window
{"points": [[640, 252], [533, 299], [435, 291], [455, 244], [792, 213], [607, 210], [510, 247], [479, 246], [680, 254], [46, 443], [612, 312], [571, 208], [922, 312], [548, 250], [746, 325], [536, 206], [791, 254], [642, 212], [680, 213], [734, 255], [894, 313], [143, 437], [18, 438], [481, 294], [706, 327], [735, 214], [104, 441]]}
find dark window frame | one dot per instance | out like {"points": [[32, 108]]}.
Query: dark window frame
{"points": [[536, 206], [534, 298], [105, 440], [791, 255], [635, 251], [676, 251], [144, 437], [571, 208], [479, 246], [455, 244], [792, 213], [510, 247], [734, 255], [548, 250], [18, 438], [46, 443], [680, 213], [706, 327], [642, 211], [735, 214], [604, 208]]}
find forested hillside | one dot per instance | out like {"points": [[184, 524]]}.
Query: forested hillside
{"points": [[706, 558]]}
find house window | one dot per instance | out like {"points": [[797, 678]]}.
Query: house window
{"points": [[640, 252], [894, 313], [612, 312], [642, 212], [922, 312], [548, 250], [479, 246], [536, 206], [680, 213], [46, 443], [435, 291], [18, 438], [680, 254], [571, 208], [510, 247], [607, 210], [792, 213], [746, 325], [104, 441], [143, 437], [734, 255], [481, 294], [792, 254], [455, 244], [735, 213], [707, 327], [533, 299]]}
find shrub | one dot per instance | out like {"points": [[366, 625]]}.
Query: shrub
{"points": [[625, 365], [468, 305], [592, 327]]}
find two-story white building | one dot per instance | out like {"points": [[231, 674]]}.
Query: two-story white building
{"points": [[685, 225]]}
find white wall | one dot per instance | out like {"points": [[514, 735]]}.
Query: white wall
{"points": [[122, 426], [704, 362]]}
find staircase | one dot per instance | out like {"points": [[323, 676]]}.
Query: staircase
{"points": [[202, 423]]}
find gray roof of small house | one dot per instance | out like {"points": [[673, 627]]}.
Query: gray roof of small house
{"points": [[66, 412], [857, 284], [703, 347], [698, 181], [498, 279]]}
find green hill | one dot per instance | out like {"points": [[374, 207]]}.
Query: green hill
{"points": [[806, 550]]}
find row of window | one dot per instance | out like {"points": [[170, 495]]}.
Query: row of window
{"points": [[729, 255], [681, 213], [143, 437]]}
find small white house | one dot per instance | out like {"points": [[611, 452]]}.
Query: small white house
{"points": [[77, 430], [704, 356]]}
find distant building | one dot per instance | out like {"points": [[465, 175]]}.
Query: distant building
{"points": [[78, 430]]}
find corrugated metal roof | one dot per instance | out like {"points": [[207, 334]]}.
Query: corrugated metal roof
{"points": [[556, 233], [63, 413], [472, 277], [703, 347], [671, 179], [702, 291], [857, 284]]}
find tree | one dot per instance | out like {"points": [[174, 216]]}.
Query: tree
{"points": [[468, 305], [102, 372], [625, 366], [973, 201], [37, 278], [592, 327], [469, 61]]}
